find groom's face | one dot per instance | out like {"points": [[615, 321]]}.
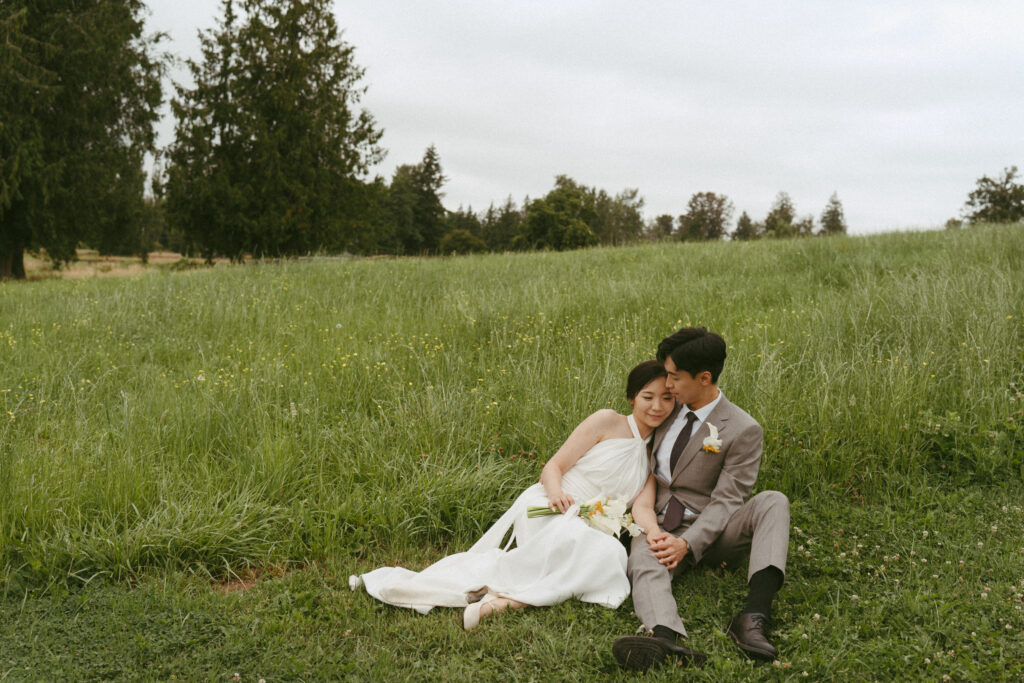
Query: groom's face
{"points": [[682, 384]]}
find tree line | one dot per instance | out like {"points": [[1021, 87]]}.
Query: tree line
{"points": [[272, 153]]}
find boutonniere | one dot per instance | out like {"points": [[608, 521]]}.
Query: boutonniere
{"points": [[712, 444]]}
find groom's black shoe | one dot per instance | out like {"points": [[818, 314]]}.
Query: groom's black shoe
{"points": [[640, 653], [749, 631]]}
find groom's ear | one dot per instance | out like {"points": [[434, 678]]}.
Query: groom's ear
{"points": [[704, 378]]}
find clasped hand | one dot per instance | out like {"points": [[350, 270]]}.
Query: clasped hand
{"points": [[670, 550]]}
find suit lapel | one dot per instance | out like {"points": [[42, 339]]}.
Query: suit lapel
{"points": [[718, 417]]}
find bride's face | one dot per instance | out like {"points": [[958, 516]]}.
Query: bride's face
{"points": [[653, 403]]}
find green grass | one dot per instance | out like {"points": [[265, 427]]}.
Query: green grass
{"points": [[163, 433]]}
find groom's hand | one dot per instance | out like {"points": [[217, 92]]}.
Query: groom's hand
{"points": [[669, 550]]}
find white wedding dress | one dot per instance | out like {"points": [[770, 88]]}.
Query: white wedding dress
{"points": [[555, 557]]}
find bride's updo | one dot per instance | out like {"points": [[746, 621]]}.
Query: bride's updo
{"points": [[642, 375]]}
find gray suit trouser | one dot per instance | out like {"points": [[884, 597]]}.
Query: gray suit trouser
{"points": [[760, 526]]}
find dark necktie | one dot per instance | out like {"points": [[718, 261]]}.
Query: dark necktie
{"points": [[674, 514]]}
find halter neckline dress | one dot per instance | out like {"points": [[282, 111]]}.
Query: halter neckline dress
{"points": [[554, 558]]}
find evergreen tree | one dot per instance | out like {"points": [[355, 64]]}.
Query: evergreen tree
{"points": [[80, 89], [415, 215], [502, 225], [618, 219], [746, 229], [463, 219], [269, 149], [833, 222]]}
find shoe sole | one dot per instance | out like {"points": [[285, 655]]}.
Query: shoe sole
{"points": [[640, 653], [752, 652]]}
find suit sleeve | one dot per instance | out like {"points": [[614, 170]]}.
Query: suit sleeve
{"points": [[736, 481]]}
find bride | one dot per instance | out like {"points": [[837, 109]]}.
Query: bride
{"points": [[554, 557]]}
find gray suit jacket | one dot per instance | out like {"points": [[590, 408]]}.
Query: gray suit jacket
{"points": [[714, 485]]}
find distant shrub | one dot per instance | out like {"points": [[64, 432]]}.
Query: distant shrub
{"points": [[461, 241]]}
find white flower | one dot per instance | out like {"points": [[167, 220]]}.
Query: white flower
{"points": [[605, 524], [614, 508], [712, 444]]}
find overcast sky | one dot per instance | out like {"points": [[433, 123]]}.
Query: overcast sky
{"points": [[897, 106]]}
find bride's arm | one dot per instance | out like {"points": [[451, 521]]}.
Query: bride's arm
{"points": [[643, 507], [582, 439]]}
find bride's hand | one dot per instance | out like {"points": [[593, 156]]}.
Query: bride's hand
{"points": [[561, 502], [656, 535]]}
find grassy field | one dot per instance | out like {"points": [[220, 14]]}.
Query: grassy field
{"points": [[192, 463]]}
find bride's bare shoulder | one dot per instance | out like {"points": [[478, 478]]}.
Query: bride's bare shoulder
{"points": [[610, 423]]}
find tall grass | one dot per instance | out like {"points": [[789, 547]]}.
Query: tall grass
{"points": [[216, 419]]}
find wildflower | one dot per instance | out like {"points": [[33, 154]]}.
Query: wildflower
{"points": [[855, 597], [816, 617], [924, 533]]}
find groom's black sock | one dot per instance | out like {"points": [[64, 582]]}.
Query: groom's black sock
{"points": [[764, 584], [665, 633]]}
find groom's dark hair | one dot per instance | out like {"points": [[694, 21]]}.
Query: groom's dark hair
{"points": [[695, 350]]}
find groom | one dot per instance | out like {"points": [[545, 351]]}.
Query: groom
{"points": [[703, 517]]}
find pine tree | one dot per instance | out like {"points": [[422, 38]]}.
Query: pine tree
{"points": [[833, 222], [80, 89], [269, 150], [745, 228]]}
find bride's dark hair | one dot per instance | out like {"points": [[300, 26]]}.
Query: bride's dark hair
{"points": [[642, 375]]}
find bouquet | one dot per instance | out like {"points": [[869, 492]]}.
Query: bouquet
{"points": [[604, 514]]}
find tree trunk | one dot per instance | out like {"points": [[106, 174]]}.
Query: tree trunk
{"points": [[12, 263]]}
